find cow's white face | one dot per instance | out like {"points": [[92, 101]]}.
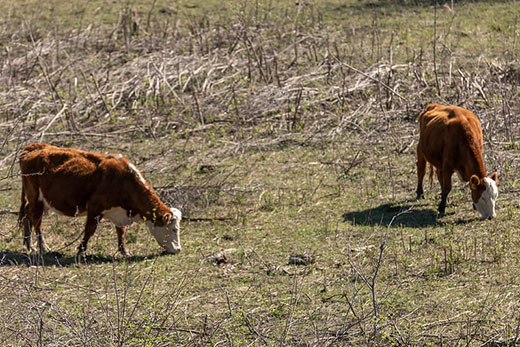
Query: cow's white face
{"points": [[168, 235], [489, 193]]}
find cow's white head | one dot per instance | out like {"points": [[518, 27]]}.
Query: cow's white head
{"points": [[484, 193], [167, 232]]}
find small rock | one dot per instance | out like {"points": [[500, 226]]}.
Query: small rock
{"points": [[301, 259], [220, 258], [205, 168]]}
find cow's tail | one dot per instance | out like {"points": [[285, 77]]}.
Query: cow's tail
{"points": [[23, 207], [22, 215], [24, 220], [431, 174]]}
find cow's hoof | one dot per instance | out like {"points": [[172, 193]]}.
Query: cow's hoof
{"points": [[80, 257], [175, 251], [420, 196], [44, 250], [125, 252]]}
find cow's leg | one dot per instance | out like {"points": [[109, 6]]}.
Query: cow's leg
{"points": [[444, 176], [121, 241], [90, 227], [421, 170]]}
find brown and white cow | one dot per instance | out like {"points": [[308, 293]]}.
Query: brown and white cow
{"points": [[450, 140], [74, 182]]}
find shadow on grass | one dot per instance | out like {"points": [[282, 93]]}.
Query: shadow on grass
{"points": [[13, 258], [412, 216]]}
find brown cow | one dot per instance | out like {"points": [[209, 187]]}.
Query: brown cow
{"points": [[74, 182], [450, 139]]}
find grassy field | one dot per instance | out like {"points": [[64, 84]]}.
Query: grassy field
{"points": [[285, 132]]}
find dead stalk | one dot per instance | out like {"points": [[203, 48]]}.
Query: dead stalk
{"points": [[435, 49]]}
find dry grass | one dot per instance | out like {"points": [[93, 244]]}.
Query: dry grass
{"points": [[282, 131]]}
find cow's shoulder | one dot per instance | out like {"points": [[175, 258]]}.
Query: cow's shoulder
{"points": [[117, 165]]}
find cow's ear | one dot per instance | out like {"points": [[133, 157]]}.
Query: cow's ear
{"points": [[167, 218], [494, 177], [474, 181]]}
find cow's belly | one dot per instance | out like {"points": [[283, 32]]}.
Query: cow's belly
{"points": [[119, 216], [61, 208]]}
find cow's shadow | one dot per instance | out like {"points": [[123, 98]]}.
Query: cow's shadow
{"points": [[405, 214], [14, 258]]}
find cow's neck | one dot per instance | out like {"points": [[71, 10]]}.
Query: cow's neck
{"points": [[149, 207], [475, 166]]}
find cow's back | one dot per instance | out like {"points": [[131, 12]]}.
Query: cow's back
{"points": [[64, 178], [447, 133]]}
